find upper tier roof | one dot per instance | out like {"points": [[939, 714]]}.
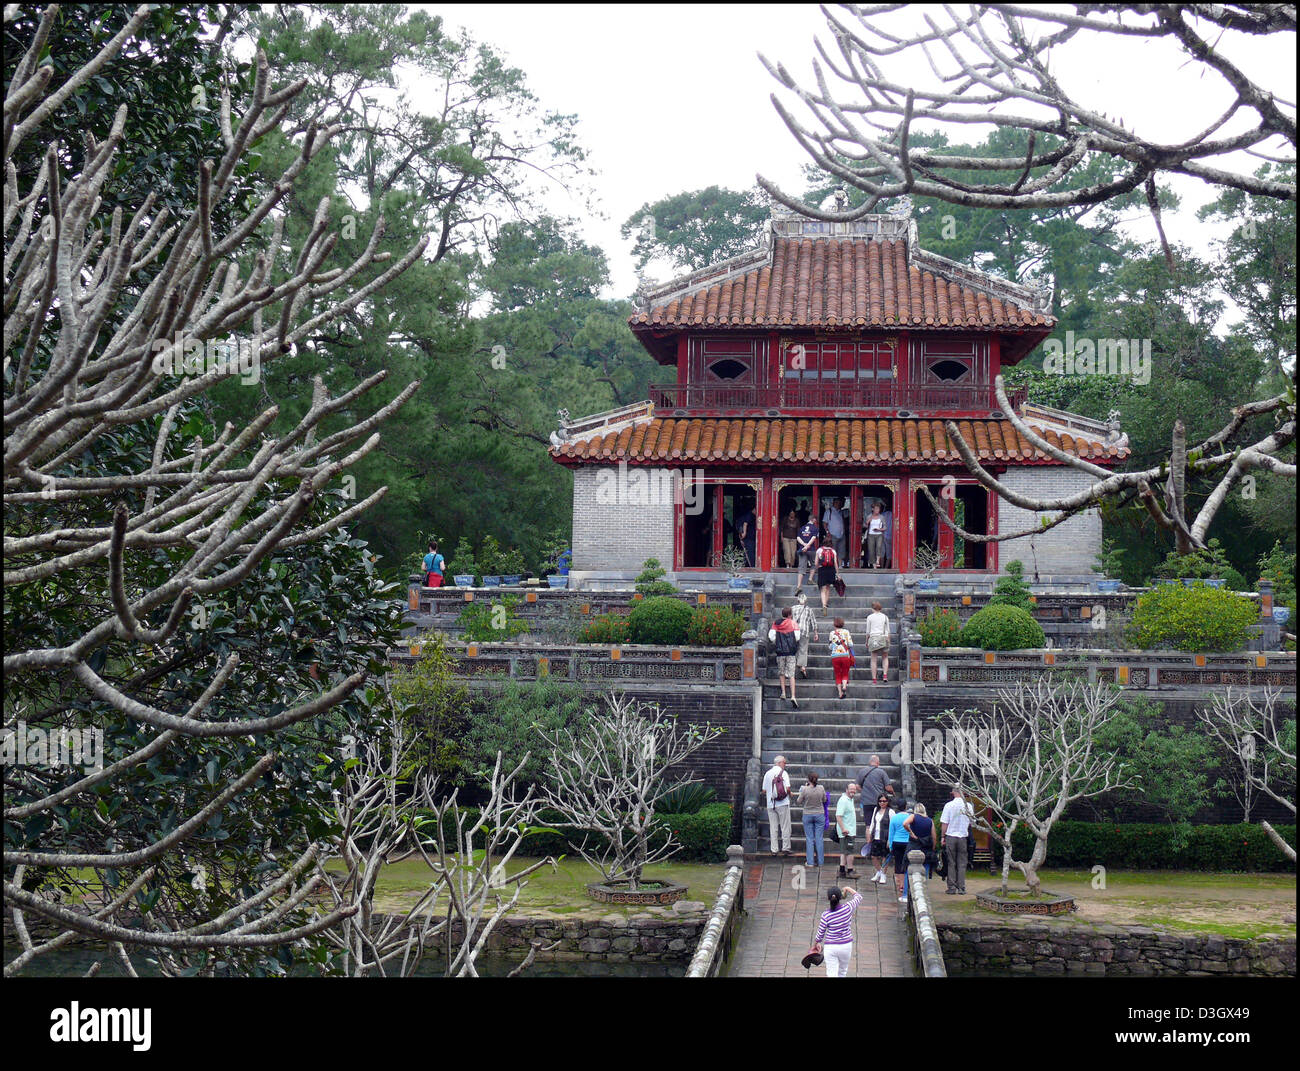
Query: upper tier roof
{"points": [[867, 273]]}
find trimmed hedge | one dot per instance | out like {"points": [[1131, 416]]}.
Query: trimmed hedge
{"points": [[1149, 846], [703, 836], [716, 626], [1198, 618], [1002, 628], [659, 620], [612, 629]]}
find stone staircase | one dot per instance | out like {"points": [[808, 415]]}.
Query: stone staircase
{"points": [[833, 737]]}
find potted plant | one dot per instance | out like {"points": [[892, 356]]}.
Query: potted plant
{"points": [[733, 560], [1109, 564], [926, 558]]}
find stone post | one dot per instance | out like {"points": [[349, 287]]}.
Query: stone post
{"points": [[929, 954]]}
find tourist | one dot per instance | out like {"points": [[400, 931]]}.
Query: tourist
{"points": [[833, 518], [806, 622], [954, 833], [876, 537], [846, 824], [812, 798], [784, 638], [776, 786], [899, 838], [433, 566], [807, 550], [789, 538], [841, 644], [747, 535], [828, 570], [872, 779], [921, 830], [835, 931], [878, 639], [877, 835]]}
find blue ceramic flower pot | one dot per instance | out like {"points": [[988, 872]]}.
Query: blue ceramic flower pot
{"points": [[927, 585], [464, 580], [556, 581], [1281, 614], [1109, 586], [491, 581]]}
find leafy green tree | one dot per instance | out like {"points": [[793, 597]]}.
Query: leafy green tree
{"points": [[696, 228]]}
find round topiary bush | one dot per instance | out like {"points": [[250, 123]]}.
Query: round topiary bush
{"points": [[1002, 628], [1198, 618], [659, 620]]}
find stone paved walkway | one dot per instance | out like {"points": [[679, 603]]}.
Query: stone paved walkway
{"points": [[782, 918]]}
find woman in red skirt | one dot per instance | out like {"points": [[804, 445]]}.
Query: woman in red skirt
{"points": [[841, 655]]}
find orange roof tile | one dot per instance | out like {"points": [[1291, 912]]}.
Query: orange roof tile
{"points": [[692, 440], [850, 282]]}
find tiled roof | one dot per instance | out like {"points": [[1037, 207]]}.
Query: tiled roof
{"points": [[665, 440], [813, 282]]}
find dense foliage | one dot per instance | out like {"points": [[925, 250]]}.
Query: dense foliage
{"points": [[1011, 589], [940, 628], [716, 626], [1002, 628], [660, 620], [1198, 618]]}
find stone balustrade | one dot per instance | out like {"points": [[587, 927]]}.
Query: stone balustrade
{"points": [[719, 934], [922, 932], [1147, 670]]}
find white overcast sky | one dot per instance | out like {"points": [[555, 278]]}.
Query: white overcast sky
{"points": [[673, 98]]}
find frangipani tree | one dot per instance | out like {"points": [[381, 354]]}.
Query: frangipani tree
{"points": [[1032, 756]]}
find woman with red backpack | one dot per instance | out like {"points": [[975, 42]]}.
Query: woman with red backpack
{"points": [[828, 570]]}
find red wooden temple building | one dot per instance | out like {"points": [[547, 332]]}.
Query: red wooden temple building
{"points": [[819, 368]]}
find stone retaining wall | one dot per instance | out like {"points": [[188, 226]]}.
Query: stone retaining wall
{"points": [[630, 938], [995, 948]]}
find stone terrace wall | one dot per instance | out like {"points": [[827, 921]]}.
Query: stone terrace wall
{"points": [[636, 939], [991, 947]]}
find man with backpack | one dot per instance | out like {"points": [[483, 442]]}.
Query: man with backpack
{"points": [[784, 638], [776, 786]]}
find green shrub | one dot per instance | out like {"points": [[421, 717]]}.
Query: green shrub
{"points": [[1002, 628], [1235, 581], [1198, 618], [612, 629], [703, 836], [505, 717], [1198, 565], [1011, 590], [484, 622], [718, 626], [495, 560], [686, 797], [462, 561], [940, 628], [1148, 846], [650, 581], [659, 620]]}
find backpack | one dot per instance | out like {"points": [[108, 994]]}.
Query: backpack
{"points": [[826, 556], [786, 644], [779, 791]]}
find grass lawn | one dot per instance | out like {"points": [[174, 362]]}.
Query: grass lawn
{"points": [[558, 892], [1233, 905]]}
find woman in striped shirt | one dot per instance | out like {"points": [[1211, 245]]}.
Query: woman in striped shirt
{"points": [[835, 932]]}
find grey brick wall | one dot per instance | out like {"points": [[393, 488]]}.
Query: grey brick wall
{"points": [[612, 528], [1071, 547]]}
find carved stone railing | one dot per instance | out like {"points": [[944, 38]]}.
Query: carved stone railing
{"points": [[597, 662], [548, 611], [923, 935], [1148, 670], [719, 935]]}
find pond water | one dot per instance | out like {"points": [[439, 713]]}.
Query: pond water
{"points": [[72, 963]]}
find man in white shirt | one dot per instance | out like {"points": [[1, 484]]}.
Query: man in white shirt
{"points": [[955, 830], [833, 518], [776, 786]]}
